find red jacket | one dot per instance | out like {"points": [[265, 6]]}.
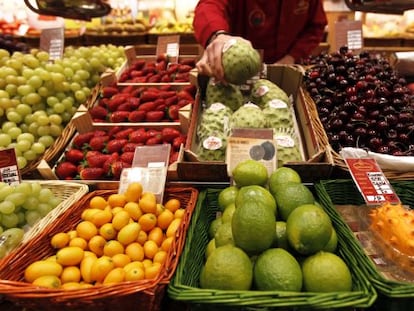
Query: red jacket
{"points": [[278, 28]]}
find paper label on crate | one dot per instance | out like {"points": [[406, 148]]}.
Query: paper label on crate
{"points": [[348, 33], [371, 182], [52, 40], [169, 45], [151, 156], [9, 172], [243, 148]]}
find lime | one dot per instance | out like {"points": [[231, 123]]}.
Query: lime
{"points": [[282, 175], [253, 226], [332, 243], [211, 246], [326, 272], [227, 268], [228, 212], [224, 234], [227, 196], [257, 194], [214, 225], [308, 229], [280, 235], [250, 172], [290, 195], [277, 269]]}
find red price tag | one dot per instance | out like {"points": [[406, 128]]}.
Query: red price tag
{"points": [[9, 172], [371, 182]]}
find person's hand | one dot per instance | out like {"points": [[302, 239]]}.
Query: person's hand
{"points": [[286, 60], [210, 63]]}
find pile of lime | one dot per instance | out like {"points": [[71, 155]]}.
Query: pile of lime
{"points": [[271, 234]]}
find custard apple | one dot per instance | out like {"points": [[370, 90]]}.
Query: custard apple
{"points": [[240, 61], [266, 93], [228, 94], [248, 116]]}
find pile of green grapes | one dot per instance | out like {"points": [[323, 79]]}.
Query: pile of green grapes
{"points": [[21, 206], [38, 96]]}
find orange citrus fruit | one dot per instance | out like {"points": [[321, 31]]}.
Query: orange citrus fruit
{"points": [[112, 248], [60, 240], [133, 192], [160, 256], [165, 218], [98, 202], [179, 213], [173, 227], [133, 210], [157, 235], [86, 229], [69, 256], [96, 245], [101, 217], [147, 221], [107, 231], [135, 251], [150, 249], [116, 200], [148, 203], [79, 242], [70, 274], [120, 220], [153, 271], [121, 260], [142, 237], [172, 204], [134, 274], [166, 244]]}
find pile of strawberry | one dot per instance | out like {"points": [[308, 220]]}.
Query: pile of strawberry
{"points": [[141, 103], [101, 155], [158, 70]]}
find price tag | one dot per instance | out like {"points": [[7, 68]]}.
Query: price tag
{"points": [[169, 45], [9, 172], [348, 33], [371, 182], [149, 167], [52, 40], [257, 144]]}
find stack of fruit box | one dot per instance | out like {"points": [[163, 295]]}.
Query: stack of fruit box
{"points": [[319, 162], [84, 122]]}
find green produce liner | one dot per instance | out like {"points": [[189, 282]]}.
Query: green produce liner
{"points": [[185, 284], [335, 193]]}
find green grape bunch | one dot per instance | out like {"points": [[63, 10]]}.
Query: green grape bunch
{"points": [[21, 207], [39, 96]]}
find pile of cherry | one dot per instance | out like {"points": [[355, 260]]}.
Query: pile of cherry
{"points": [[362, 102]]}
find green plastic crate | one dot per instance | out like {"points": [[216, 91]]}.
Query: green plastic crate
{"points": [[334, 193], [185, 284]]}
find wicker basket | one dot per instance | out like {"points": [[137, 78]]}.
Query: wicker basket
{"points": [[132, 295], [68, 192], [185, 284], [337, 196]]}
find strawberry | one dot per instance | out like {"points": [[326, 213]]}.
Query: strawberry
{"points": [[66, 170], [184, 68], [138, 64], [114, 130], [125, 106], [184, 95], [173, 157], [154, 116], [188, 61], [91, 173], [123, 134], [97, 133], [171, 100], [117, 167], [127, 157], [147, 106], [190, 89], [130, 147], [172, 112], [153, 141], [117, 100], [109, 91], [115, 145], [178, 141], [167, 94], [112, 158], [137, 116], [148, 96], [98, 112], [96, 159], [168, 134], [119, 116], [138, 136], [154, 79], [183, 102], [82, 139], [74, 155], [98, 142], [165, 78], [134, 102]]}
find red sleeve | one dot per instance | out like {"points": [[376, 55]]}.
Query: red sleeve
{"points": [[313, 32], [209, 17]]}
